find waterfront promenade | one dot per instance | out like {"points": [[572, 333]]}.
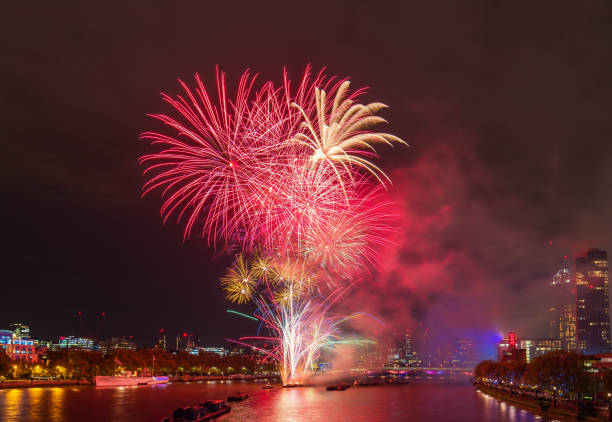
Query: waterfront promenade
{"points": [[549, 406], [178, 378]]}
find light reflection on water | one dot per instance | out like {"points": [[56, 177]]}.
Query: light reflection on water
{"points": [[418, 401]]}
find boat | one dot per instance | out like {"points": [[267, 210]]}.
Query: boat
{"points": [[239, 396], [267, 387], [292, 385], [127, 380], [204, 411], [369, 382], [338, 387], [398, 380]]}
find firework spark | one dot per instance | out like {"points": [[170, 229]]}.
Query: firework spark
{"points": [[340, 136], [285, 176]]}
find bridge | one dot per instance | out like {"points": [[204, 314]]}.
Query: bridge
{"points": [[425, 368]]}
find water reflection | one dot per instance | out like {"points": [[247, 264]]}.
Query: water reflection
{"points": [[419, 401]]}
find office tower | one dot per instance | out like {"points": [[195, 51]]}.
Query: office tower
{"points": [[592, 303], [553, 322], [567, 327], [161, 341]]}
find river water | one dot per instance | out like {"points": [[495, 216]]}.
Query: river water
{"points": [[417, 401]]}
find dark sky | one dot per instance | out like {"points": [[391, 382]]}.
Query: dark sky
{"points": [[506, 107]]}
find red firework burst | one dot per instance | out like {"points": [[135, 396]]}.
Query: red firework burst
{"points": [[272, 169]]}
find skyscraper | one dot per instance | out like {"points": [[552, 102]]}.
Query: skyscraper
{"points": [[161, 341], [553, 322], [567, 326], [561, 281], [185, 342], [592, 303]]}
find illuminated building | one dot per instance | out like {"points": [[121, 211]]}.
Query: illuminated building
{"points": [[592, 303], [553, 322], [217, 350], [503, 349], [185, 343], [22, 331], [71, 342], [123, 343], [510, 348], [538, 346], [567, 327], [512, 340], [464, 354], [18, 348], [161, 341], [562, 277], [410, 355]]}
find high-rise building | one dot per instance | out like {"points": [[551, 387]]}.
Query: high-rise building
{"points": [[510, 348], [592, 303], [567, 328], [185, 343], [464, 354], [22, 331], [161, 341], [553, 322], [562, 277], [535, 347], [410, 356]]}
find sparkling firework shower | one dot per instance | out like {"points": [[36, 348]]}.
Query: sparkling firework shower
{"points": [[287, 176]]}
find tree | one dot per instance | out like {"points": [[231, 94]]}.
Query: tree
{"points": [[6, 364]]}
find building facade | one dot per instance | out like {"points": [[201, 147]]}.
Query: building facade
{"points": [[567, 327], [553, 322], [72, 342], [20, 330], [592, 303], [162, 341], [18, 348], [535, 347], [186, 343]]}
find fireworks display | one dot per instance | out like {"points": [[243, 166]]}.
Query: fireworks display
{"points": [[288, 178]]}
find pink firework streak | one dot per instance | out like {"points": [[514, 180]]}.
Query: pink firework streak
{"points": [[232, 169], [285, 176]]}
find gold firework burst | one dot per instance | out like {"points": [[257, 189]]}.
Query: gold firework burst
{"points": [[239, 284], [338, 135]]}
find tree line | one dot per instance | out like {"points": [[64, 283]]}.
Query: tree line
{"points": [[557, 373], [84, 364]]}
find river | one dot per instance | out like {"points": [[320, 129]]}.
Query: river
{"points": [[418, 401]]}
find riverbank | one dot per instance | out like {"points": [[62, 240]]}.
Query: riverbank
{"points": [[181, 378], [195, 378], [41, 383], [546, 407]]}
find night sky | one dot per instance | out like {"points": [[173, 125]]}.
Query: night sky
{"points": [[506, 107]]}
